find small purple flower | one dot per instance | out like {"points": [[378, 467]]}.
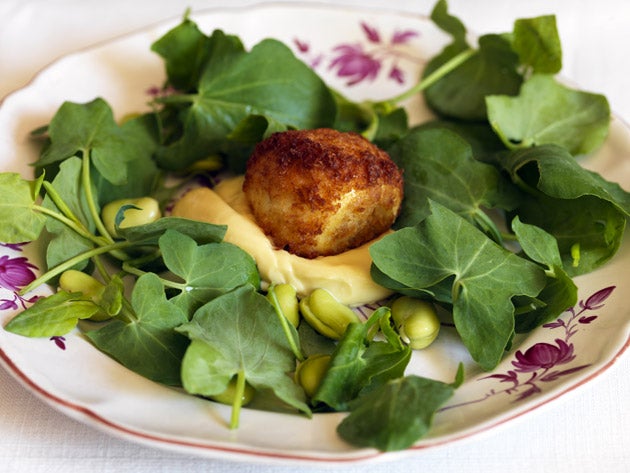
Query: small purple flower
{"points": [[15, 272], [596, 300], [354, 64], [543, 356]]}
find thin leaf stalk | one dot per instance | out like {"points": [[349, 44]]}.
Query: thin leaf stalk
{"points": [[285, 326], [432, 78], [91, 201], [237, 402], [57, 270]]}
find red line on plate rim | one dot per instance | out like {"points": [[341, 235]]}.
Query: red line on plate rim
{"points": [[108, 425]]}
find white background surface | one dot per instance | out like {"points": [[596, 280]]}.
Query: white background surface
{"points": [[587, 430]]}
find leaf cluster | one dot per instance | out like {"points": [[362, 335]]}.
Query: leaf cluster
{"points": [[498, 214]]}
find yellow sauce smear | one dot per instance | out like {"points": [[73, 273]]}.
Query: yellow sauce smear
{"points": [[346, 275]]}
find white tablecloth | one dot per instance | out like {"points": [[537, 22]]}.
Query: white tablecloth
{"points": [[587, 430]]}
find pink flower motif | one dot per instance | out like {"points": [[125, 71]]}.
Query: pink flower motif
{"points": [[302, 46], [371, 33], [401, 37], [14, 246], [354, 64], [543, 356], [397, 74], [59, 341], [15, 272]]}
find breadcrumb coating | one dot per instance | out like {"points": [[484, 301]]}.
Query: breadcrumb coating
{"points": [[321, 192]]}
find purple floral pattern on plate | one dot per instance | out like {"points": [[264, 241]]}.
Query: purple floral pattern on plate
{"points": [[15, 273], [546, 362], [365, 60]]}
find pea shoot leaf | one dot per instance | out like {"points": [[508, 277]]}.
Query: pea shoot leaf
{"points": [[491, 70], [20, 221], [239, 332], [577, 206], [439, 165], [150, 233], [484, 277], [547, 112], [186, 51], [359, 365], [396, 415], [140, 135], [80, 129], [284, 92], [147, 344], [560, 292], [65, 242], [51, 316], [537, 43], [207, 271]]}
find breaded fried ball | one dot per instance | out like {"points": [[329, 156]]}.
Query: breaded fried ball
{"points": [[321, 192]]}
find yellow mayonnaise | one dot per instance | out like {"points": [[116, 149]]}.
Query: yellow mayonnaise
{"points": [[346, 275]]}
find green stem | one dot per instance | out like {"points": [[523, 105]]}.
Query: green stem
{"points": [[128, 268], [57, 270], [436, 75], [61, 205], [72, 224], [87, 187], [237, 403], [284, 322]]}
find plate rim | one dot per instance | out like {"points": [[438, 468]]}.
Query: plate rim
{"points": [[217, 450]]}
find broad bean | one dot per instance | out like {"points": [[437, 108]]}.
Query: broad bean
{"points": [[326, 314], [416, 321], [227, 396], [284, 298], [310, 372], [78, 281], [145, 210]]}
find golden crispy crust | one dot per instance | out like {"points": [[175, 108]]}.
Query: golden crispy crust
{"points": [[320, 192]]}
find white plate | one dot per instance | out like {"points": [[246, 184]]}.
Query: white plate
{"points": [[75, 378]]}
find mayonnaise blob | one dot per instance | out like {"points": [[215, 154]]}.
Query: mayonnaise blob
{"points": [[346, 275]]}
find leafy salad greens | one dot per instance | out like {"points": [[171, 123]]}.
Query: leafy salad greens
{"points": [[498, 249]]}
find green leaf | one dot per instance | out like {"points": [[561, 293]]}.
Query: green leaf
{"points": [[396, 415], [239, 332], [51, 316], [284, 90], [148, 344], [537, 43], [553, 171], [186, 52], [66, 242], [150, 233], [90, 128], [461, 94], [140, 136], [546, 112], [447, 22], [577, 206], [439, 165], [359, 365], [20, 221], [208, 271], [485, 277], [560, 292]]}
